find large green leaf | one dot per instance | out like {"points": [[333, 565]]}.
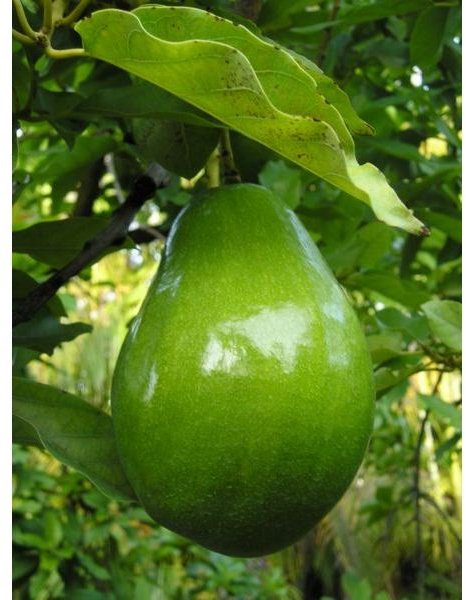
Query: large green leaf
{"points": [[444, 318], [254, 87], [75, 433]]}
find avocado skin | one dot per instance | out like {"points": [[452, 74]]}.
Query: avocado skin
{"points": [[243, 395]]}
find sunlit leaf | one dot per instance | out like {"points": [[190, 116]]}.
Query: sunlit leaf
{"points": [[249, 84]]}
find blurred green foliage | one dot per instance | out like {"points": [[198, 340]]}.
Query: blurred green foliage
{"points": [[396, 533]]}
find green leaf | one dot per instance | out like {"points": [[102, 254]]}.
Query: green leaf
{"points": [[44, 332], [446, 223], [14, 144], [247, 83], [366, 247], [448, 445], [180, 148], [396, 371], [385, 345], [21, 82], [444, 410], [276, 14], [85, 151], [21, 357], [382, 596], [284, 181], [413, 324], [57, 242], [78, 594], [24, 433], [395, 148], [24, 566], [402, 291], [250, 156], [366, 13], [444, 318], [94, 569], [55, 105], [141, 99], [75, 433], [356, 587], [428, 36]]}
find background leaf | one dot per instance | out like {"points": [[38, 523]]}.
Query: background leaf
{"points": [[427, 37], [44, 332], [283, 180], [444, 318], [57, 242], [180, 148], [141, 99]]}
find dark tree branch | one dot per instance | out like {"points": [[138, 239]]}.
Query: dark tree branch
{"points": [[249, 8], [327, 34], [114, 234]]}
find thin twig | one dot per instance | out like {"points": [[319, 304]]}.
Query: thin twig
{"points": [[47, 23], [146, 234], [23, 21], [74, 14], [109, 162], [230, 172], [21, 37], [115, 232], [68, 53]]}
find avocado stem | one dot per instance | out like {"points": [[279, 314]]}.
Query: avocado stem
{"points": [[230, 172], [212, 169]]}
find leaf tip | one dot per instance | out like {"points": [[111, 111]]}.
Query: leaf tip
{"points": [[424, 231]]}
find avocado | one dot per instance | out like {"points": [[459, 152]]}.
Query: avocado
{"points": [[243, 395]]}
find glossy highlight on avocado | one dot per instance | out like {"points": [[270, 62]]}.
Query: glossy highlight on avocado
{"points": [[243, 395]]}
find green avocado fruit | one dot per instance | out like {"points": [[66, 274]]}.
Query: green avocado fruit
{"points": [[243, 395]]}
